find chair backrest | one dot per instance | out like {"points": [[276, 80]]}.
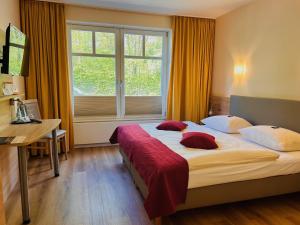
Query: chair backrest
{"points": [[33, 110]]}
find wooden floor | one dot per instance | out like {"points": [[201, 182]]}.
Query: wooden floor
{"points": [[95, 189]]}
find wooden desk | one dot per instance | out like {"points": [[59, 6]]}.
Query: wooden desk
{"points": [[29, 134]]}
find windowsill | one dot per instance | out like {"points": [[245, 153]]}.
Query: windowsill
{"points": [[85, 119]]}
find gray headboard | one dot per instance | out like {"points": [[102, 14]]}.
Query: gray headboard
{"points": [[267, 111]]}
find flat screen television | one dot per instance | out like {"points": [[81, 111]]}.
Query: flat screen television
{"points": [[15, 53]]}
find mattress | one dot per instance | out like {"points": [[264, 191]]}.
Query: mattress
{"points": [[286, 163]]}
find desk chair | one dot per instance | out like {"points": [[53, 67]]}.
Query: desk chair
{"points": [[46, 142]]}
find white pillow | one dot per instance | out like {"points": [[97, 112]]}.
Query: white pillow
{"points": [[276, 138], [226, 124]]}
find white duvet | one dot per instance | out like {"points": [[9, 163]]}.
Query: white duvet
{"points": [[232, 150]]}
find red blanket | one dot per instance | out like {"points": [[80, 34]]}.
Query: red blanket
{"points": [[164, 172]]}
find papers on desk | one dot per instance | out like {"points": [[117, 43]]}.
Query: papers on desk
{"points": [[6, 140], [18, 139]]}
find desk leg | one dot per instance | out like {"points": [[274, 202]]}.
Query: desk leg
{"points": [[23, 176], [55, 153]]}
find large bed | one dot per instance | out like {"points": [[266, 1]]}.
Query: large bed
{"points": [[224, 183]]}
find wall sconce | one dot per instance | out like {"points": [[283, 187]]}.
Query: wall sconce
{"points": [[239, 70]]}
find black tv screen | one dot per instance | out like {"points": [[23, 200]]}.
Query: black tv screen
{"points": [[15, 52]]}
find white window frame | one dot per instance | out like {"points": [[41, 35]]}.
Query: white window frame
{"points": [[119, 56]]}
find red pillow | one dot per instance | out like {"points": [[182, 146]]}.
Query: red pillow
{"points": [[172, 125], [198, 140]]}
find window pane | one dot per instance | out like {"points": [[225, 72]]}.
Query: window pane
{"points": [[142, 77], [94, 76], [133, 44], [153, 46], [95, 106], [143, 105], [105, 43], [82, 41]]}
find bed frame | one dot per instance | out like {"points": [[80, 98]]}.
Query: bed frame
{"points": [[284, 113]]}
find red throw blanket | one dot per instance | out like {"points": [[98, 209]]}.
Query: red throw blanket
{"points": [[164, 172]]}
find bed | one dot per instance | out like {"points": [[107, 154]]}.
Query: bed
{"points": [[237, 182]]}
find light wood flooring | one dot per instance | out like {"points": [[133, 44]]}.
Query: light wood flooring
{"points": [[95, 189]]}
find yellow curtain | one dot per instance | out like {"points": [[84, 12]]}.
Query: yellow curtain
{"points": [[48, 81], [191, 69]]}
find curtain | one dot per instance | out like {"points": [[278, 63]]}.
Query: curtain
{"points": [[191, 68], [48, 81]]}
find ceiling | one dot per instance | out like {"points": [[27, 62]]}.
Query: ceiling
{"points": [[195, 8]]}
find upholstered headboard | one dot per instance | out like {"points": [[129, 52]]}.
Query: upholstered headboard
{"points": [[267, 111]]}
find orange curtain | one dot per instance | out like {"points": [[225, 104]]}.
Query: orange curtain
{"points": [[48, 81], [191, 69]]}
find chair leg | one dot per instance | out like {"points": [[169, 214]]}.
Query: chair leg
{"points": [[64, 145], [49, 148], [41, 151], [27, 153]]}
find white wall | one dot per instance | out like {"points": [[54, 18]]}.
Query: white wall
{"points": [[93, 15], [9, 13], [265, 36], [99, 132]]}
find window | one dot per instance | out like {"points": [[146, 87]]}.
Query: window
{"points": [[118, 72]]}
